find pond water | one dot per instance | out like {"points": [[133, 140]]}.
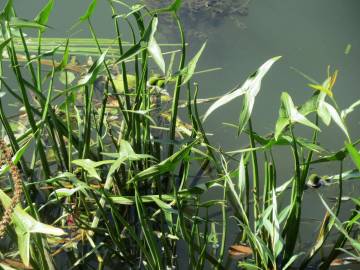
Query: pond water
{"points": [[310, 35]]}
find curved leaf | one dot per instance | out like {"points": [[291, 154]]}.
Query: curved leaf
{"points": [[43, 16], [252, 85]]}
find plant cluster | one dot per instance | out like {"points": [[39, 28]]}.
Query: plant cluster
{"points": [[112, 177]]}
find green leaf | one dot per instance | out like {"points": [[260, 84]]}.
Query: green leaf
{"points": [[292, 260], [321, 88], [242, 177], [248, 266], [165, 166], [126, 152], [23, 23], [251, 85], [130, 200], [7, 12], [66, 75], [89, 11], [173, 7], [64, 192], [90, 166], [189, 70], [354, 154], [247, 107], [24, 225], [2, 46], [143, 44], [154, 48], [15, 159], [43, 16], [289, 114], [337, 119], [164, 206], [346, 112], [91, 76]]}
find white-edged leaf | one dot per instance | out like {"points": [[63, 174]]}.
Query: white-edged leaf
{"points": [[252, 84]]}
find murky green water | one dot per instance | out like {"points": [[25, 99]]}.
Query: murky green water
{"points": [[310, 35]]}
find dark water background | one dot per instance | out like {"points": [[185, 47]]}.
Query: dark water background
{"points": [[310, 35]]}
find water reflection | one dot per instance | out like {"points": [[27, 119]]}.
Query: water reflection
{"points": [[201, 18]]}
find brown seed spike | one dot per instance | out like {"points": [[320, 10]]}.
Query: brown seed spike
{"points": [[15, 174]]}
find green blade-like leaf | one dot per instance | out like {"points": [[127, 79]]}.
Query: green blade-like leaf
{"points": [[90, 166], [23, 240], [154, 48], [43, 16], [354, 154], [289, 114], [23, 23], [173, 7], [188, 71], [346, 112], [337, 119], [247, 107], [89, 11], [91, 76], [252, 84], [2, 46], [165, 166], [7, 12], [15, 159]]}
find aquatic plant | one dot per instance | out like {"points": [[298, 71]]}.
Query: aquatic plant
{"points": [[112, 177]]}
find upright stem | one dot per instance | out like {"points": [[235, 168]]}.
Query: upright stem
{"points": [[255, 172], [174, 107]]}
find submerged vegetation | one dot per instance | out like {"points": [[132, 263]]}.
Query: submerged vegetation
{"points": [[112, 177]]}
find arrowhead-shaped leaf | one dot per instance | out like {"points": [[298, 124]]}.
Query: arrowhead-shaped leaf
{"points": [[251, 85]]}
